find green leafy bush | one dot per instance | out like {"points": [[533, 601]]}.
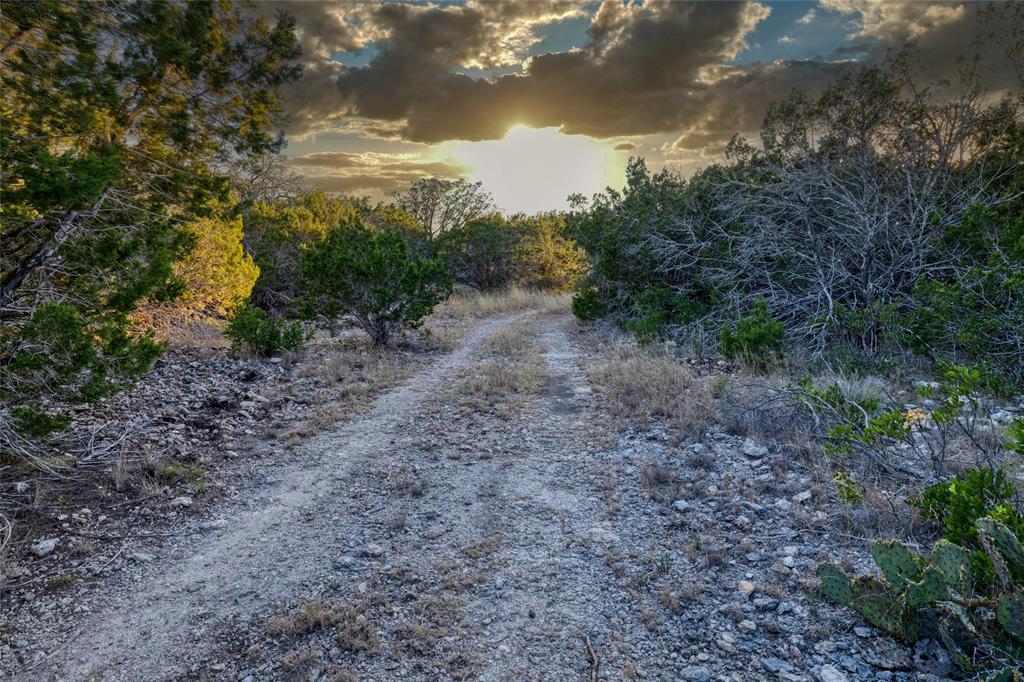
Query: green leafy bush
{"points": [[613, 229], [63, 356], [756, 338], [1015, 436], [893, 438], [253, 331], [486, 253], [375, 277], [117, 122], [277, 232], [655, 309], [981, 624], [825, 225], [217, 272], [957, 503], [493, 252], [33, 421], [588, 304]]}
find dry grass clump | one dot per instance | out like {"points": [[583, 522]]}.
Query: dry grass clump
{"points": [[359, 367], [512, 342], [497, 381], [310, 616], [482, 303], [299, 660], [637, 384], [485, 547], [356, 633], [511, 370], [767, 407], [353, 630], [659, 482], [438, 336], [502, 381], [433, 618], [346, 377], [183, 331]]}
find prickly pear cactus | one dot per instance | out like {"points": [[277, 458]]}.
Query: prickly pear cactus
{"points": [[998, 563], [918, 598], [1010, 614], [931, 589], [951, 641], [1006, 542], [897, 562], [884, 608], [954, 563], [835, 584]]}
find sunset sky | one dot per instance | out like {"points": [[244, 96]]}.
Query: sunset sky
{"points": [[542, 99]]}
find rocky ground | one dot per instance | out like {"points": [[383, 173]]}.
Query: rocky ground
{"points": [[428, 536]]}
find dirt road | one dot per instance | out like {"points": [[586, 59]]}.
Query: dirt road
{"points": [[435, 539]]}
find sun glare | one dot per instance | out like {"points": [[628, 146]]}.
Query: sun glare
{"points": [[536, 169]]}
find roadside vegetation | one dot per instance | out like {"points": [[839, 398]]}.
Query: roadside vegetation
{"points": [[861, 275]]}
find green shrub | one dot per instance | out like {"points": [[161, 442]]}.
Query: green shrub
{"points": [[957, 504], [217, 272], [106, 154], [375, 277], [33, 421], [756, 338], [614, 228], [891, 437], [656, 308], [1015, 436], [62, 356], [550, 258], [588, 304], [253, 331], [276, 233], [494, 252], [486, 253]]}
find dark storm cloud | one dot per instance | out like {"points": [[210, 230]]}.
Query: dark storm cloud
{"points": [[634, 76], [660, 67], [380, 183], [940, 33]]}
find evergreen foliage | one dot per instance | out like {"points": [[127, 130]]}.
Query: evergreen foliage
{"points": [[376, 277], [116, 117], [866, 235], [252, 331], [494, 252]]}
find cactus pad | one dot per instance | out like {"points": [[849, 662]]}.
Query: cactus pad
{"points": [[835, 584], [949, 640], [1006, 542], [883, 608], [931, 589], [897, 562], [1010, 614], [953, 610], [954, 563], [998, 563]]}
